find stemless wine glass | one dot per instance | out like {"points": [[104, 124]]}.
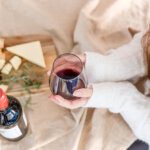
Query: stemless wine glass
{"points": [[67, 75]]}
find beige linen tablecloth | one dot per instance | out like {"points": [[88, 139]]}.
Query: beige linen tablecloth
{"points": [[95, 25], [53, 128]]}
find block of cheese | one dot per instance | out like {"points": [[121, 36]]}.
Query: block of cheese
{"points": [[6, 69], [1, 43], [4, 87], [2, 55], [30, 51], [2, 63], [16, 62]]}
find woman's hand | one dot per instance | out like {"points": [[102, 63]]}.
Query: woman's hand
{"points": [[84, 94]]}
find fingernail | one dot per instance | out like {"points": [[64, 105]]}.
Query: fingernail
{"points": [[49, 96], [48, 73], [77, 93]]}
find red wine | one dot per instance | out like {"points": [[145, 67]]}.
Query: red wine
{"points": [[67, 74], [69, 80]]}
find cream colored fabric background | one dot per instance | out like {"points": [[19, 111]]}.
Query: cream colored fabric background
{"points": [[96, 25]]}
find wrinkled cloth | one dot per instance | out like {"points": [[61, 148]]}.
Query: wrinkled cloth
{"points": [[52, 127], [96, 25], [124, 63], [106, 24], [49, 17]]}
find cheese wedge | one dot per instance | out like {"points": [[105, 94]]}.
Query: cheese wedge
{"points": [[1, 43], [6, 69], [2, 55], [4, 87], [2, 63], [30, 51], [16, 62]]}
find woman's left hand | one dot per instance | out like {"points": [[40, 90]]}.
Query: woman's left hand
{"points": [[84, 94]]}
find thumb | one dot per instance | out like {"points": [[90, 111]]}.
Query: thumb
{"points": [[85, 93], [49, 72]]}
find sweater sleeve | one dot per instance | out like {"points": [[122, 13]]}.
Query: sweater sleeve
{"points": [[123, 63], [124, 98]]}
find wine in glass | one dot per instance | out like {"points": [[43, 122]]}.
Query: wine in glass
{"points": [[67, 75]]}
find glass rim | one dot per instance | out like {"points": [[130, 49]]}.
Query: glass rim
{"points": [[82, 68]]}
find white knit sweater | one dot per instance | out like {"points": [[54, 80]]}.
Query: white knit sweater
{"points": [[110, 75]]}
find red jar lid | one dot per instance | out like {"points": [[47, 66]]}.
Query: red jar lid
{"points": [[3, 100]]}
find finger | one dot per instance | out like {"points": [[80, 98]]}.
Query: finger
{"points": [[70, 103], [57, 101], [49, 72], [83, 92], [52, 98], [79, 101], [82, 57], [62, 100]]}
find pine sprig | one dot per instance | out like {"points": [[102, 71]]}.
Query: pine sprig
{"points": [[28, 77]]}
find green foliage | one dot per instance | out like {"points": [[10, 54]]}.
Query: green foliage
{"points": [[29, 76]]}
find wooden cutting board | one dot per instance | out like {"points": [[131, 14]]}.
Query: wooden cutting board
{"points": [[50, 53]]}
